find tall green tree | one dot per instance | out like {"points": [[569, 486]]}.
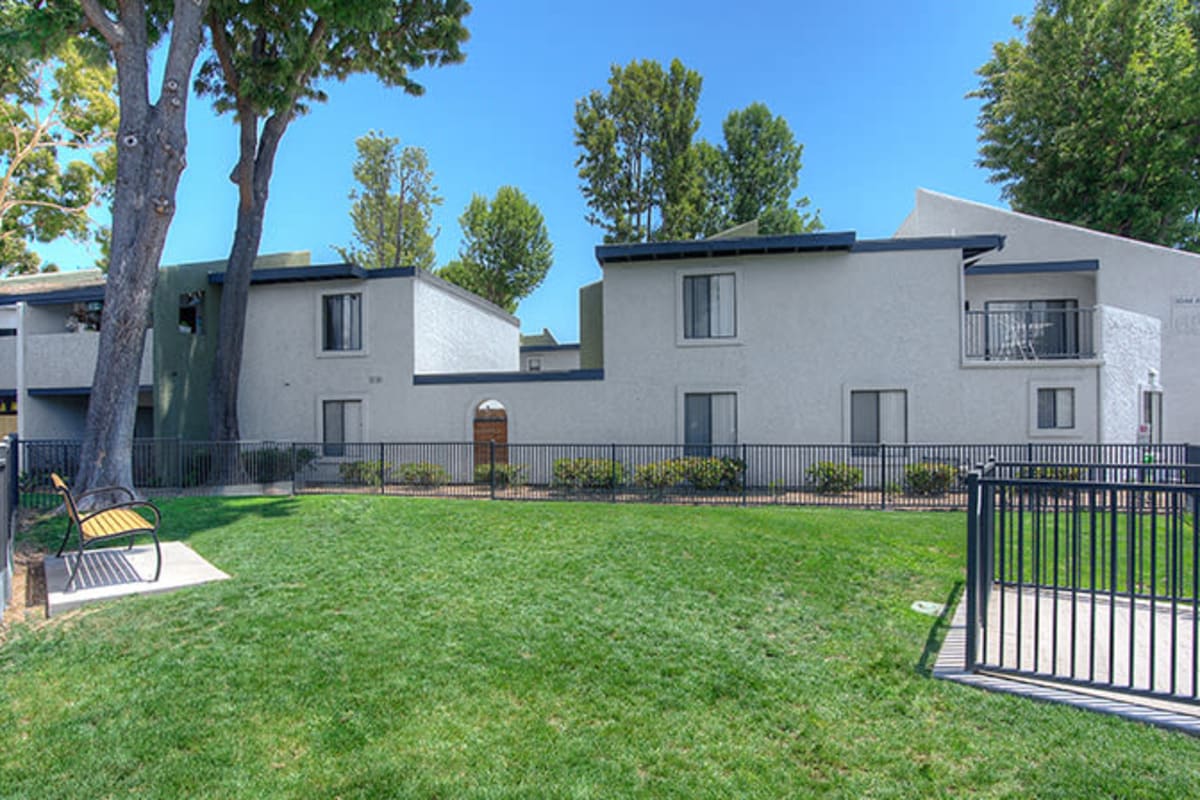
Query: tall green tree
{"points": [[1093, 118], [270, 60], [759, 168], [506, 250], [392, 209], [640, 174], [151, 143], [57, 152]]}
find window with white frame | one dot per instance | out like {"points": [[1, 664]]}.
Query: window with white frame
{"points": [[1055, 408], [341, 422], [709, 307], [878, 416], [341, 322], [709, 419]]}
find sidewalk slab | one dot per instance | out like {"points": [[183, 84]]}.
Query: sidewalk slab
{"points": [[1162, 712], [117, 572]]}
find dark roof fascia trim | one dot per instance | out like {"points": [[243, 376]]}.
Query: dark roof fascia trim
{"points": [[323, 272], [1080, 265], [509, 377], [972, 246], [74, 391], [84, 295], [547, 348], [390, 272], [711, 248]]}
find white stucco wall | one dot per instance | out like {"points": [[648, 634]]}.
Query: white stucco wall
{"points": [[1139, 277], [53, 417], [8, 362], [558, 359], [1133, 347], [286, 375], [811, 329], [455, 331], [56, 360], [1078, 286]]}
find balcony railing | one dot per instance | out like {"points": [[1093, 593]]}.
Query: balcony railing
{"points": [[1029, 335]]}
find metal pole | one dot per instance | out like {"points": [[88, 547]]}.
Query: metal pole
{"points": [[972, 567], [612, 452], [492, 470], [745, 472], [882, 476]]}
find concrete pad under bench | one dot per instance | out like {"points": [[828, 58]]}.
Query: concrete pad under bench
{"points": [[117, 572]]}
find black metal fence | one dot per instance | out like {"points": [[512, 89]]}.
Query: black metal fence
{"points": [[1087, 574], [870, 476], [7, 529]]}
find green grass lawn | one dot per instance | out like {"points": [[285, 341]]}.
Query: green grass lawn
{"points": [[390, 647]]}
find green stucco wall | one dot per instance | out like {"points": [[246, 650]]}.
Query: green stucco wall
{"points": [[591, 326], [183, 361]]}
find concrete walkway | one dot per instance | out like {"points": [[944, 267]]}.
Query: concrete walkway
{"points": [[1161, 711], [117, 572]]}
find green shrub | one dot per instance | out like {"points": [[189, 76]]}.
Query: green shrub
{"points": [[709, 473], [270, 464], [581, 474], [506, 475], [423, 473], [929, 479], [658, 475], [197, 467], [833, 477], [703, 473], [364, 473], [1051, 473]]}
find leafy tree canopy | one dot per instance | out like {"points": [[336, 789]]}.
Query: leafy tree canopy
{"points": [[638, 170], [754, 174], [1094, 118], [57, 159], [392, 209], [506, 250], [645, 179]]}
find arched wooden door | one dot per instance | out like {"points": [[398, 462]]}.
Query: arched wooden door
{"points": [[491, 425]]}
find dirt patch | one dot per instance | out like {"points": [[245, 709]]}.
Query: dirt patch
{"points": [[29, 588]]}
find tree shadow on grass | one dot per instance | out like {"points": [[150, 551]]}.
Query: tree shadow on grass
{"points": [[182, 518], [937, 633]]}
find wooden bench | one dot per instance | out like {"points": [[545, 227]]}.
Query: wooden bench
{"points": [[105, 524]]}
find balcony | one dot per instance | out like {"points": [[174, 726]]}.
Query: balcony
{"points": [[62, 360], [1030, 334]]}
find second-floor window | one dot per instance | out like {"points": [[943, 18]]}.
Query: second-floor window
{"points": [[709, 310], [342, 323]]}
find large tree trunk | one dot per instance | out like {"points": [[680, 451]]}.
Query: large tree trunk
{"points": [[151, 141], [253, 177]]}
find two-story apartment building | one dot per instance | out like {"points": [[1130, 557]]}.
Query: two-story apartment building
{"points": [[971, 325]]}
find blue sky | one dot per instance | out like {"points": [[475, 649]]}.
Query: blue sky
{"points": [[874, 90]]}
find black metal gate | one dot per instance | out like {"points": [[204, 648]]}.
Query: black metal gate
{"points": [[1086, 574]]}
